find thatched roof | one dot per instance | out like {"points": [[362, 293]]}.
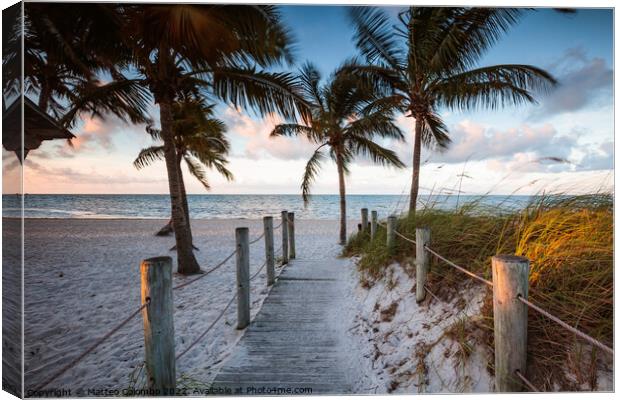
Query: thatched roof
{"points": [[38, 126]]}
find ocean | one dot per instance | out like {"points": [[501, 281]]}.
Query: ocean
{"points": [[211, 206]]}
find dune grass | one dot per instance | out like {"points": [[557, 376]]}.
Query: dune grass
{"points": [[569, 241]]}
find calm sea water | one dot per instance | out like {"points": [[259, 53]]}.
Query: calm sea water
{"points": [[227, 206]]}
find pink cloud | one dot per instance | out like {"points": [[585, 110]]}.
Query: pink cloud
{"points": [[258, 143]]}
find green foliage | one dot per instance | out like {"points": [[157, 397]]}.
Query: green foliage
{"points": [[199, 139]]}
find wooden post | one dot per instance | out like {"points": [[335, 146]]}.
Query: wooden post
{"points": [[284, 237], [269, 257], [242, 236], [373, 224], [510, 279], [422, 261], [364, 219], [291, 235], [391, 236], [159, 355]]}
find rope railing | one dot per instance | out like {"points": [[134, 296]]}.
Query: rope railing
{"points": [[463, 270], [424, 288], [527, 383], [555, 319], [203, 334], [566, 326], [91, 348], [404, 237], [258, 238], [223, 312], [219, 265], [124, 322]]}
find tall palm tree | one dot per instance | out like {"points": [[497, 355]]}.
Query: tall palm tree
{"points": [[341, 125], [200, 141], [214, 50], [428, 61]]}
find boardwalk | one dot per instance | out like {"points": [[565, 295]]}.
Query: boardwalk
{"points": [[296, 342]]}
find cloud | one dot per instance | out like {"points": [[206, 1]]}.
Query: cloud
{"points": [[33, 169], [582, 82], [258, 143], [527, 148]]}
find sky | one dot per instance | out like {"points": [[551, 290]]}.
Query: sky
{"points": [[499, 152]]}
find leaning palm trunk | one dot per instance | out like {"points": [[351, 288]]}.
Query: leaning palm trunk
{"points": [[415, 179], [184, 195], [343, 204], [187, 263]]}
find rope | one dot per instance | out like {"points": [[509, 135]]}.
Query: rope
{"points": [[259, 270], [463, 270], [202, 335], [277, 226], [431, 293], [566, 326], [91, 348], [257, 239], [206, 273], [527, 383], [404, 237]]}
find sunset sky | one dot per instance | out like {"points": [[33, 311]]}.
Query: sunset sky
{"points": [[498, 151]]}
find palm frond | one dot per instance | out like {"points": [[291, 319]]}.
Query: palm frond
{"points": [[435, 132], [310, 173], [376, 124], [374, 37], [148, 155], [378, 154], [293, 130], [463, 35], [492, 87], [264, 92], [127, 99], [197, 170]]}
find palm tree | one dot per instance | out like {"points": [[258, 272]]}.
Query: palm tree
{"points": [[65, 53], [341, 125], [199, 140], [429, 61], [213, 50]]}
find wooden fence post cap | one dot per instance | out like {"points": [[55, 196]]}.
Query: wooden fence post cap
{"points": [[157, 260], [267, 218], [242, 229], [510, 259]]}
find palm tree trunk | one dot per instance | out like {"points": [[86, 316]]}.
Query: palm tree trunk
{"points": [[187, 263], [343, 201], [184, 197], [415, 179]]}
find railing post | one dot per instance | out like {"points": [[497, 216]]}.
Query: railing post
{"points": [[510, 280], [242, 237], [269, 256], [291, 235], [391, 236], [422, 261], [284, 237], [364, 219], [159, 355], [373, 224]]}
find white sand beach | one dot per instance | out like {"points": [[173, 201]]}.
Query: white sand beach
{"points": [[82, 277]]}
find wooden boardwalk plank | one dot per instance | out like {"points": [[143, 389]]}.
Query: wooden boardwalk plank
{"points": [[293, 346]]}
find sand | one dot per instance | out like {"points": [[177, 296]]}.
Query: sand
{"points": [[82, 277]]}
